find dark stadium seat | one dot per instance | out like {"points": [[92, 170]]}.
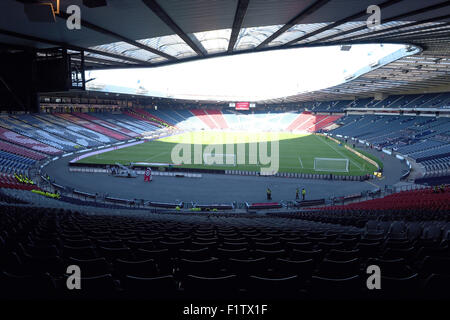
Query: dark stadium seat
{"points": [[245, 267], [303, 268], [336, 288], [99, 286], [342, 255], [206, 268], [195, 254], [436, 286], [145, 268], [275, 287], [91, 267], [210, 287], [392, 268], [150, 287], [81, 253], [338, 269]]}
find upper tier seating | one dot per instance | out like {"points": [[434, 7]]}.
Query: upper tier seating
{"points": [[420, 138], [428, 100]]}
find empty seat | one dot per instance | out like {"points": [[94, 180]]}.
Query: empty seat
{"points": [[392, 268], [338, 269], [194, 254], [79, 252], [436, 265], [342, 255], [211, 287], [336, 288], [150, 287], [225, 254], [399, 287], [208, 267], [115, 253], [98, 286], [273, 287], [270, 254], [91, 267], [303, 268], [436, 286], [144, 268], [244, 267]]}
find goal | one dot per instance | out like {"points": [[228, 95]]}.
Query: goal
{"points": [[331, 164], [219, 159]]}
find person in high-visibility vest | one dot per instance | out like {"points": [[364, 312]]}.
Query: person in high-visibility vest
{"points": [[269, 194], [303, 194]]}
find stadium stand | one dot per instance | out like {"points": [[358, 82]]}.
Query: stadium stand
{"points": [[160, 122], [101, 138], [411, 101], [217, 117], [10, 163], [112, 126], [71, 194], [114, 136], [203, 116], [25, 129], [122, 120], [14, 149], [139, 256], [56, 130], [27, 142]]}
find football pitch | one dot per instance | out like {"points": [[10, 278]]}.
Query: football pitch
{"points": [[242, 151]]}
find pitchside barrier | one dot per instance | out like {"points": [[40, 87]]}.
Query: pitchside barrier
{"points": [[310, 203], [84, 194], [206, 207], [141, 172], [265, 205], [237, 172], [322, 176], [166, 205]]}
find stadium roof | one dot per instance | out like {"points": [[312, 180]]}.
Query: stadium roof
{"points": [[147, 33]]}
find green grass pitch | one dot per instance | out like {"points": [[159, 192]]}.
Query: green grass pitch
{"points": [[296, 151]]}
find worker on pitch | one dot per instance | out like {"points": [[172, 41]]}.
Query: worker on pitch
{"points": [[269, 194], [303, 194]]}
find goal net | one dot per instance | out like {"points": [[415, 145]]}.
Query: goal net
{"points": [[331, 164], [219, 159]]}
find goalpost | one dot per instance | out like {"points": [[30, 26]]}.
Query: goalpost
{"points": [[219, 159], [331, 164]]}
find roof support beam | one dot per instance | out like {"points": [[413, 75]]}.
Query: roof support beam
{"points": [[159, 11], [103, 61], [65, 45], [407, 25], [413, 32], [443, 34], [119, 37], [295, 20], [397, 17], [237, 23], [340, 22]]}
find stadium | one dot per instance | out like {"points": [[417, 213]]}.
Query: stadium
{"points": [[121, 179]]}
